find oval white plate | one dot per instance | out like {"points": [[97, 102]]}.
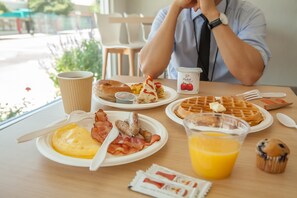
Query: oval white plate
{"points": [[268, 119], [170, 95], [45, 148]]}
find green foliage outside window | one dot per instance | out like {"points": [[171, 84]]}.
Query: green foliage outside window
{"points": [[3, 8], [59, 7], [85, 57], [73, 54]]}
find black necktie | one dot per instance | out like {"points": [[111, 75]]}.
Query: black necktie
{"points": [[204, 48]]}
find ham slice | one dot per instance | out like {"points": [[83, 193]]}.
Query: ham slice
{"points": [[123, 144]]}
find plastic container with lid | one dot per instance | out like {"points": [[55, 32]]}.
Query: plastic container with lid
{"points": [[188, 79], [125, 97]]}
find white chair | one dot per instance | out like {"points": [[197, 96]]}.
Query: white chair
{"points": [[135, 34], [110, 40], [146, 29]]}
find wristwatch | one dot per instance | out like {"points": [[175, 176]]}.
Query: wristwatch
{"points": [[221, 20]]}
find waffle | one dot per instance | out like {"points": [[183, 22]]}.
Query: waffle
{"points": [[234, 106]]}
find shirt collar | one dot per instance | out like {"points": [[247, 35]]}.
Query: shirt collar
{"points": [[221, 8]]}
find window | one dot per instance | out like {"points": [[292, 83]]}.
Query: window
{"points": [[31, 46]]}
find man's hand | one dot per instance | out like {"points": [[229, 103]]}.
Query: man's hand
{"points": [[208, 8], [181, 4]]}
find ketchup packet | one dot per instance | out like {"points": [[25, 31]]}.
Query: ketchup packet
{"points": [[159, 181], [177, 177]]}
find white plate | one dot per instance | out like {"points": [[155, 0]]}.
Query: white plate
{"points": [[170, 95], [45, 148], [268, 119]]}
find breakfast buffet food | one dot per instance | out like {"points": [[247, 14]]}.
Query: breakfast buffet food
{"points": [[106, 89], [136, 88], [234, 106], [131, 139], [148, 91], [130, 127], [272, 155], [75, 141]]}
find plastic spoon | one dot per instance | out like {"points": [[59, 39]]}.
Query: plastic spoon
{"points": [[286, 120]]}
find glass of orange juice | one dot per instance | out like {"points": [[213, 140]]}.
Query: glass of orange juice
{"points": [[214, 142]]}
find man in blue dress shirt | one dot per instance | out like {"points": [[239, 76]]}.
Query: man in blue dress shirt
{"points": [[238, 52]]}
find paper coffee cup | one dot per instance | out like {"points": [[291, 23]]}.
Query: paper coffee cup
{"points": [[76, 90]]}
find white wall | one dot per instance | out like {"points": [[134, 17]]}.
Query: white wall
{"points": [[281, 26], [282, 40]]}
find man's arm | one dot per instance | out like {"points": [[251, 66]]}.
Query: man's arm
{"points": [[155, 55], [243, 61]]}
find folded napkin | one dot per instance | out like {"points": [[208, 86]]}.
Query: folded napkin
{"points": [[271, 104]]}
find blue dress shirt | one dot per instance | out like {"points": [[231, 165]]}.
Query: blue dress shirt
{"points": [[246, 21]]}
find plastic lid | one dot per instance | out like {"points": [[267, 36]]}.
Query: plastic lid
{"points": [[189, 69], [125, 97]]}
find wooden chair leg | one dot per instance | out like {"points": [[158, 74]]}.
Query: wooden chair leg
{"points": [[104, 65], [138, 68], [119, 63], [131, 61]]}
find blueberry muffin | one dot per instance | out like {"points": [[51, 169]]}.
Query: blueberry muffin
{"points": [[272, 155]]}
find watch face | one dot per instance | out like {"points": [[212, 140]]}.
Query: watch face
{"points": [[224, 19]]}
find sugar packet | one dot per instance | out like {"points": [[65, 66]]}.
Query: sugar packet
{"points": [[159, 181]]}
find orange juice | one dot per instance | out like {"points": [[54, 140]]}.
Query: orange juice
{"points": [[213, 154]]}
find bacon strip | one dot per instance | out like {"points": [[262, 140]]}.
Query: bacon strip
{"points": [[123, 144]]}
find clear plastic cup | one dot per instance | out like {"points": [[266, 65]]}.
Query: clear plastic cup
{"points": [[214, 141]]}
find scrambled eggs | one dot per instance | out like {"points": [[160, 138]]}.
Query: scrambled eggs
{"points": [[75, 141]]}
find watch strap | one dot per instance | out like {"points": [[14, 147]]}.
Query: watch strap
{"points": [[214, 23]]}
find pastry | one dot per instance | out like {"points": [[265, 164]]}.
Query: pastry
{"points": [[106, 89], [272, 155], [148, 92]]}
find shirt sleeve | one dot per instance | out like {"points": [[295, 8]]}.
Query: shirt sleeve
{"points": [[157, 22], [252, 30]]}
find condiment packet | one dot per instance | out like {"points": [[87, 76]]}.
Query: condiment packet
{"points": [[271, 104], [159, 181], [151, 185], [180, 178]]}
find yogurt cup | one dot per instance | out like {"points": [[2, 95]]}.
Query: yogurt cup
{"points": [[125, 97], [188, 79]]}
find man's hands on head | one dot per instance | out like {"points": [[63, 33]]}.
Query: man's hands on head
{"points": [[208, 7], [181, 4]]}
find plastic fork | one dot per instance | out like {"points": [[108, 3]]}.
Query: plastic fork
{"points": [[256, 94]]}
